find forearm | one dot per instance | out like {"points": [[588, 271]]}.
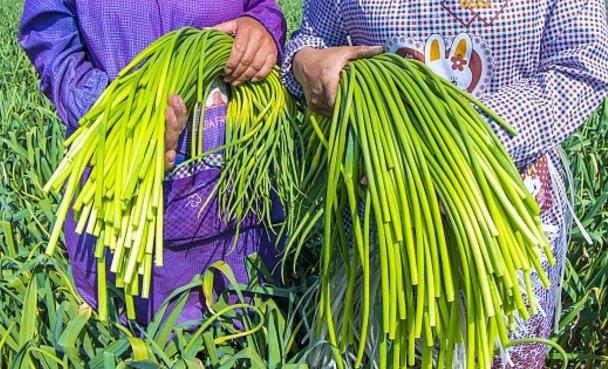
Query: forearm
{"points": [[50, 37], [269, 14], [316, 31], [571, 82]]}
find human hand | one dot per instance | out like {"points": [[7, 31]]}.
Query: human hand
{"points": [[254, 52], [176, 117], [318, 71]]}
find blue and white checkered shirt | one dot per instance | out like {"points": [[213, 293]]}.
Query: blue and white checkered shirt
{"points": [[543, 65], [540, 64]]}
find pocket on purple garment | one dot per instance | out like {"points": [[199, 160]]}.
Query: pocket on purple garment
{"points": [[184, 197], [187, 189]]}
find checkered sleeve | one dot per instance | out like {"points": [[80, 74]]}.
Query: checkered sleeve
{"points": [[572, 80], [321, 28]]}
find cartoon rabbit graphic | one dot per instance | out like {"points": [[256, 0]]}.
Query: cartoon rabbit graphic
{"points": [[466, 62], [456, 64]]}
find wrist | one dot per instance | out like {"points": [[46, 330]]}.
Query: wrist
{"points": [[299, 63]]}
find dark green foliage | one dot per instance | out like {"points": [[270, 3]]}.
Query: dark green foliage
{"points": [[45, 323]]}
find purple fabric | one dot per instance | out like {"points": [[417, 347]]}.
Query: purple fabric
{"points": [[78, 47], [191, 245]]}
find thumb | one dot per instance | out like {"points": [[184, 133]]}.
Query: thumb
{"points": [[362, 52], [228, 27]]}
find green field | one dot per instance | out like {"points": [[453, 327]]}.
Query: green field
{"points": [[44, 324]]}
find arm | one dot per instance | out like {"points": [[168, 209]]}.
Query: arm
{"points": [[49, 35], [571, 82], [314, 58], [321, 28], [258, 40], [268, 13]]}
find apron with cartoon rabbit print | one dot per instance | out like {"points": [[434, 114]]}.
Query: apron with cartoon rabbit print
{"points": [[540, 64], [479, 47], [463, 56], [467, 62]]}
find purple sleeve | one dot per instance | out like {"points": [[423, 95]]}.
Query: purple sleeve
{"points": [[572, 80], [269, 14], [49, 35]]}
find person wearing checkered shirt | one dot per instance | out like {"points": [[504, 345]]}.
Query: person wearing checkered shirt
{"points": [[542, 65]]}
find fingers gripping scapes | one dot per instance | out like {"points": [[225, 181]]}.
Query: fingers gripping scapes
{"points": [[318, 71], [130, 138], [437, 264], [254, 52], [252, 58], [176, 116]]}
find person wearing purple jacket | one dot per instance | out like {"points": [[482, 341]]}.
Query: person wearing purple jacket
{"points": [[79, 46]]}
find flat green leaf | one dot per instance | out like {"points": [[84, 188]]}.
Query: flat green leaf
{"points": [[208, 282], [165, 330], [139, 348], [29, 314], [144, 364], [573, 314], [211, 348], [8, 235], [6, 336], [68, 338], [194, 363], [108, 361]]}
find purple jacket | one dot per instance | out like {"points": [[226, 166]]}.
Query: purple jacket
{"points": [[78, 47]]}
